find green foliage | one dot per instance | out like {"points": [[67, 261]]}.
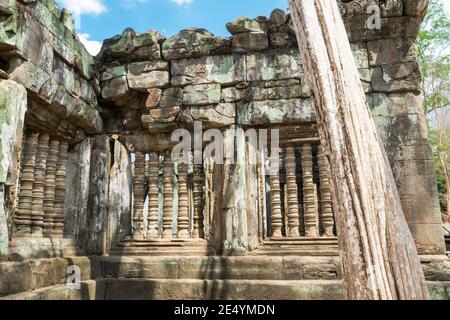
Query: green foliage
{"points": [[434, 47]]}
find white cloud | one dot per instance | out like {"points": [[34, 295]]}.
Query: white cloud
{"points": [[92, 46], [95, 7], [181, 2], [131, 4]]}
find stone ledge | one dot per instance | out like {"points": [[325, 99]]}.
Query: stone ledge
{"points": [[35, 274], [149, 289]]}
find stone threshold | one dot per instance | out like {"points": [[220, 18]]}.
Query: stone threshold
{"points": [[157, 289]]}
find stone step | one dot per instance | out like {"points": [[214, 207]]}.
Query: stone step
{"points": [[28, 275], [191, 289], [131, 247], [225, 268]]}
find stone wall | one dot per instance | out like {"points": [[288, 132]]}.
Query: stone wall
{"points": [[150, 86], [142, 86], [51, 77]]}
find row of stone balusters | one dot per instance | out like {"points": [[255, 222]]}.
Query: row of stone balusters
{"points": [[42, 187], [310, 210], [190, 195]]}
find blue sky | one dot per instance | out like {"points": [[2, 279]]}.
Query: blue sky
{"points": [[101, 19]]}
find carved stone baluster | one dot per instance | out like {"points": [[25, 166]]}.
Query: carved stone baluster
{"points": [[325, 195], [138, 196], [292, 193], [50, 186], [183, 202], [199, 201], [153, 194], [37, 208], [23, 216], [309, 192], [60, 190], [168, 197], [276, 216]]}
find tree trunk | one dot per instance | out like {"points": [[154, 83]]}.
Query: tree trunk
{"points": [[379, 256]]}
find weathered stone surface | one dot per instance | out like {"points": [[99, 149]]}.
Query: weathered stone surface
{"points": [[201, 94], [276, 112], [13, 105], [120, 196], [154, 98], [172, 97], [194, 42], [391, 52], [163, 115], [144, 81], [113, 73], [132, 45], [396, 78], [250, 41], [221, 115], [273, 66], [225, 70], [244, 25], [115, 88]]}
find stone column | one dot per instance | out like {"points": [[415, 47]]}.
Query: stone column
{"points": [[309, 192], [326, 201], [138, 196], [50, 187], [60, 190], [153, 194], [23, 216], [199, 201], [168, 197], [37, 207], [276, 216], [292, 193], [183, 202]]}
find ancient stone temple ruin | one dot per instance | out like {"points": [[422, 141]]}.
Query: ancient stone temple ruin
{"points": [[93, 206]]}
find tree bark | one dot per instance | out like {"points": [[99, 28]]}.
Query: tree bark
{"points": [[378, 252]]}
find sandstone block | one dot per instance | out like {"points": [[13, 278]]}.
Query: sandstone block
{"points": [[194, 42], [171, 97], [115, 88], [273, 65], [131, 45], [154, 97], [276, 112], [219, 116], [391, 51], [145, 81], [225, 70], [244, 25], [201, 94], [397, 78], [250, 41]]}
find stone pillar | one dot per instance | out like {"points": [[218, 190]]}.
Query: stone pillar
{"points": [[168, 197], [153, 196], [60, 190], [199, 201], [24, 214], [37, 207], [309, 192], [183, 202], [13, 106], [50, 187], [138, 196], [292, 193], [276, 216], [234, 204], [326, 201]]}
